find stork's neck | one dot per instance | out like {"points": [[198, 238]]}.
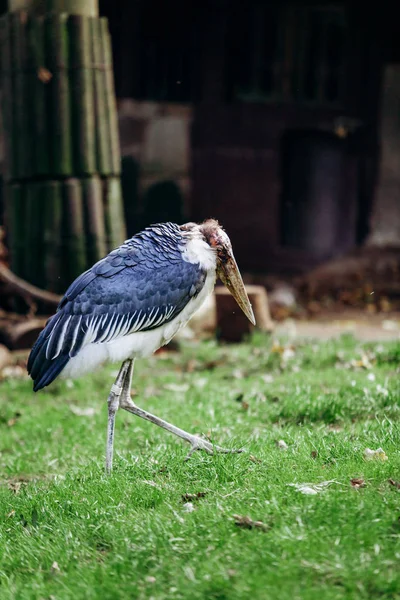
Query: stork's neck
{"points": [[197, 251]]}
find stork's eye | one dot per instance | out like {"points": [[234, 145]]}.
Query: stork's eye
{"points": [[223, 254]]}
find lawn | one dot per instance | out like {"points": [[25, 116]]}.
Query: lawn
{"points": [[215, 527]]}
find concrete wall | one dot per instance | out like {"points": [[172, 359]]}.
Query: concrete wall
{"points": [[157, 136], [385, 223]]}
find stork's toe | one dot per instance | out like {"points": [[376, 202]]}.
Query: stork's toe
{"points": [[199, 443]]}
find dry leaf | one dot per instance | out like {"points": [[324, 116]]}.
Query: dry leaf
{"points": [[15, 486], [361, 363], [89, 411], [287, 354], [274, 399], [311, 489], [55, 567], [44, 75], [238, 374], [388, 325], [305, 489], [285, 351], [190, 497], [357, 483], [11, 422], [248, 523], [201, 382], [282, 445], [394, 483], [254, 459], [277, 348], [212, 364], [152, 484], [334, 427], [176, 387], [378, 454], [189, 573], [191, 365]]}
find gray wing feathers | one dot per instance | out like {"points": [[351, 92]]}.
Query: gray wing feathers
{"points": [[143, 284], [83, 330], [121, 299]]}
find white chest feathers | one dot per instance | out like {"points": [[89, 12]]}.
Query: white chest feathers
{"points": [[197, 251]]}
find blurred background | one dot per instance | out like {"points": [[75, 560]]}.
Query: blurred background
{"points": [[280, 119]]}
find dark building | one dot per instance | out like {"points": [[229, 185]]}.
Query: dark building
{"points": [[265, 115]]}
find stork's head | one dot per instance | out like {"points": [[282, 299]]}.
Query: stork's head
{"points": [[227, 269]]}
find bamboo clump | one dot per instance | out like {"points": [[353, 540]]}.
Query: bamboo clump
{"points": [[62, 166]]}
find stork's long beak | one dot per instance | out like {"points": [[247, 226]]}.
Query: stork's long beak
{"points": [[230, 276]]}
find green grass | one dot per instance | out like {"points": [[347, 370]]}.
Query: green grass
{"points": [[69, 532]]}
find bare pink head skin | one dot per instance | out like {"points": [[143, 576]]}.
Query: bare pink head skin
{"points": [[227, 269]]}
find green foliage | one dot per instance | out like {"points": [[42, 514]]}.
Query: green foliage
{"points": [[69, 532]]}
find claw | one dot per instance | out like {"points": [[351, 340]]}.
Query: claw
{"points": [[200, 444]]}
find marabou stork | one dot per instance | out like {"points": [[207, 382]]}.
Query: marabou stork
{"points": [[131, 303]]}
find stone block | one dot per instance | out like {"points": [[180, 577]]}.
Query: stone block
{"points": [[232, 325]]}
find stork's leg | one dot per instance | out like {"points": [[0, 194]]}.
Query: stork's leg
{"points": [[113, 405], [196, 442]]}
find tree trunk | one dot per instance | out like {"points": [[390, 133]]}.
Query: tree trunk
{"points": [[62, 168]]}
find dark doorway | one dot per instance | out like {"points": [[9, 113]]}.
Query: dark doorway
{"points": [[318, 204], [162, 202], [130, 173]]}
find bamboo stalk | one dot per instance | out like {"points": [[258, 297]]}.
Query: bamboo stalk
{"points": [[111, 107], [31, 217], [113, 213], [52, 234], [59, 114], [38, 78], [38, 208], [16, 226], [74, 247], [34, 205], [103, 142], [18, 66], [61, 120], [82, 102], [7, 96], [94, 219]]}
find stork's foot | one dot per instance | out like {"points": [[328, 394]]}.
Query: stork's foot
{"points": [[199, 443], [196, 442]]}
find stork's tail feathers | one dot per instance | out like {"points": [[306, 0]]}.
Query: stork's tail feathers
{"points": [[42, 369]]}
